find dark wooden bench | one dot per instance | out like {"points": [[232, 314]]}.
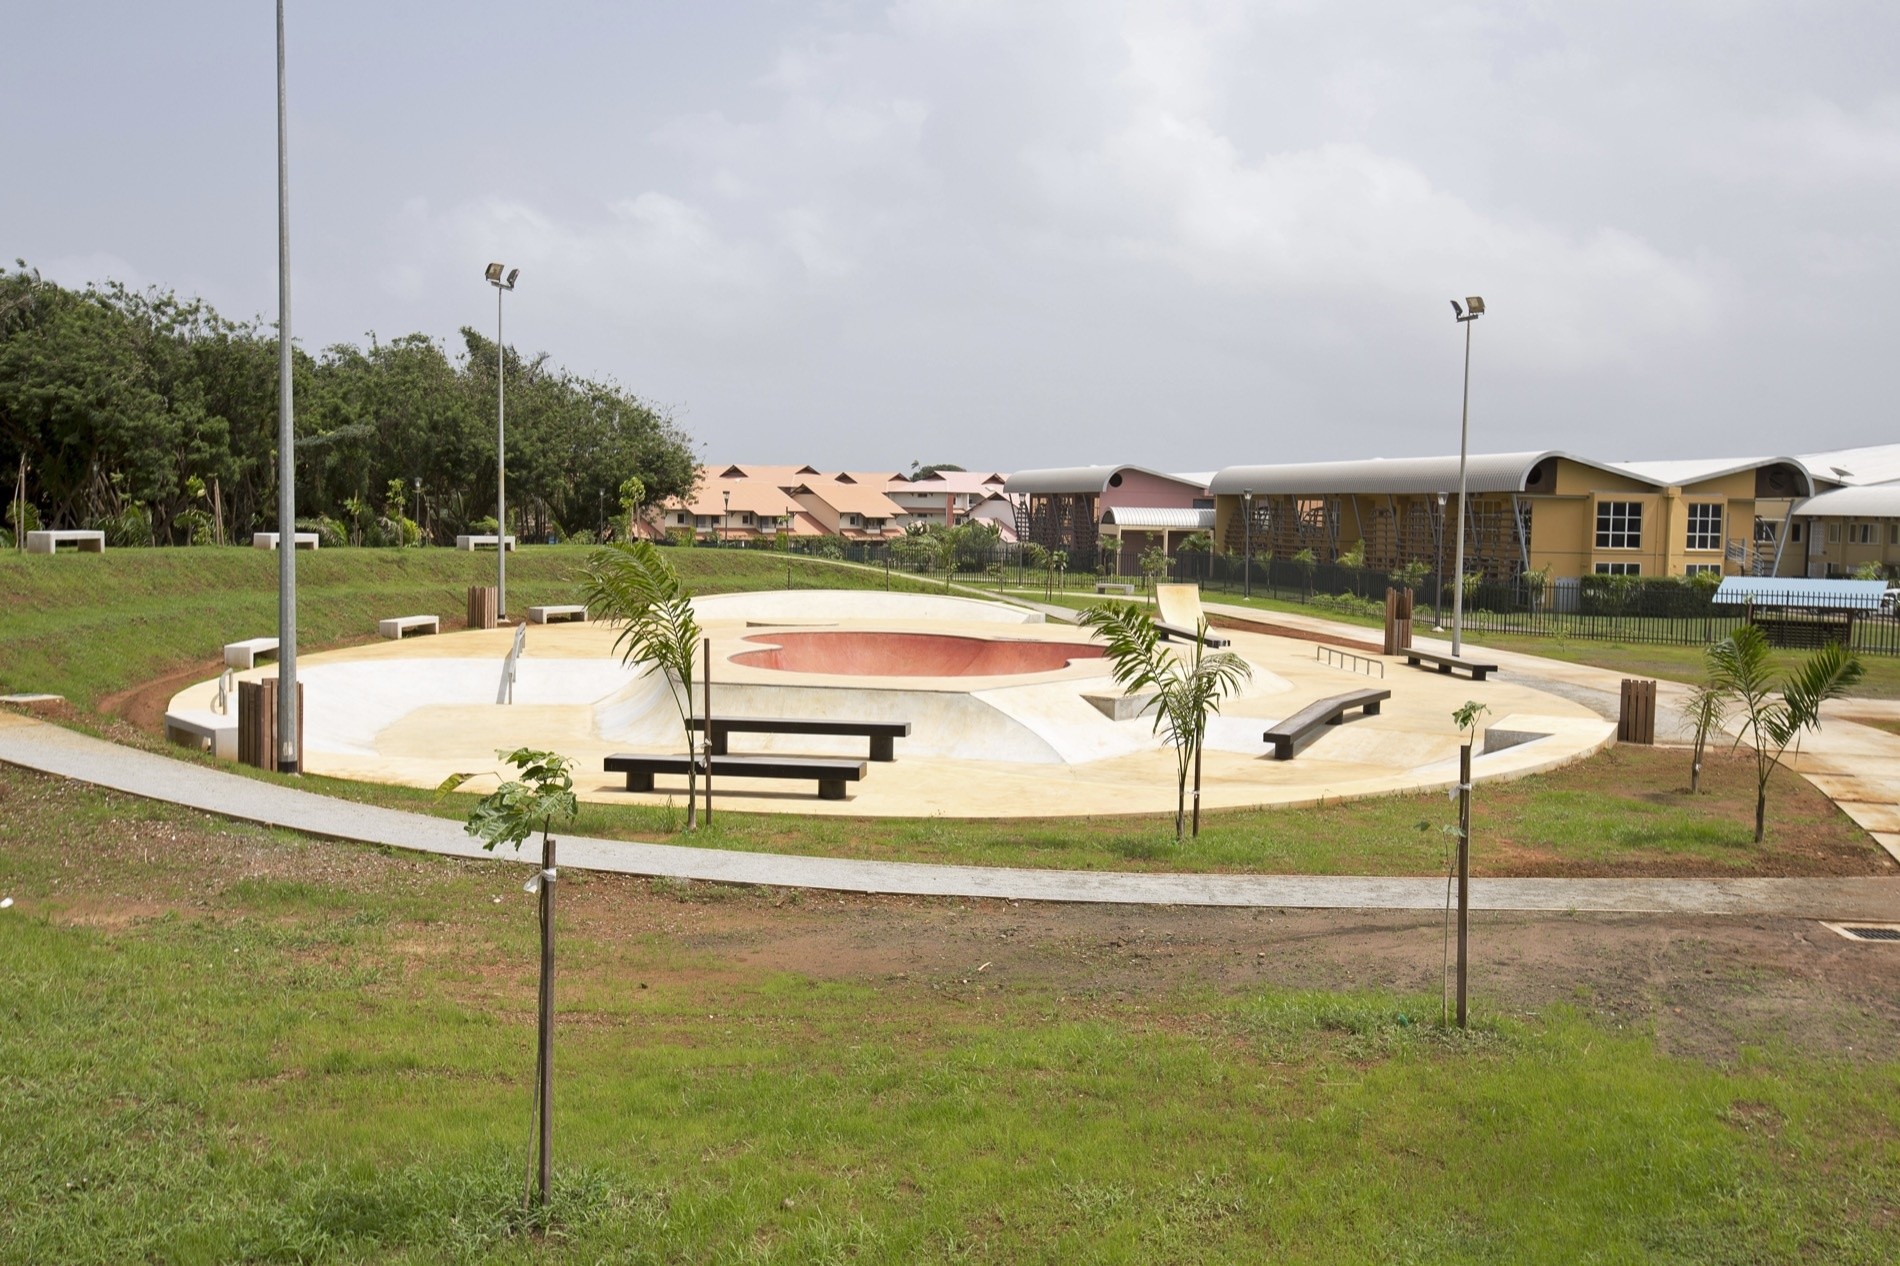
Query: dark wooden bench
{"points": [[1445, 663], [881, 733], [1290, 735], [1215, 641], [831, 775]]}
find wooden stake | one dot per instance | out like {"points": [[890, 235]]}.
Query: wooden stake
{"points": [[544, 1050], [1464, 868]]}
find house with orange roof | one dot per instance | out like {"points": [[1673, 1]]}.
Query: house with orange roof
{"points": [[943, 496], [850, 504]]}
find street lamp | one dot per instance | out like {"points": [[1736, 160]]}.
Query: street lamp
{"points": [[1465, 318], [1246, 544], [289, 749], [501, 439], [725, 522]]}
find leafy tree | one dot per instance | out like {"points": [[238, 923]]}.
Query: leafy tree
{"points": [[1187, 688], [1154, 565], [1770, 716], [1306, 562], [633, 588]]}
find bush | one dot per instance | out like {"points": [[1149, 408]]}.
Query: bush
{"points": [[1348, 604], [130, 528], [330, 533]]}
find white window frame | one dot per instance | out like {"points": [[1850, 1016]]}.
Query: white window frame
{"points": [[1619, 569], [1619, 525], [1704, 532], [1697, 569]]}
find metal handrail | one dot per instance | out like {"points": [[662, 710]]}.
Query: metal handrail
{"points": [[507, 692], [1333, 657]]}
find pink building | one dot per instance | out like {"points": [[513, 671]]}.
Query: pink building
{"points": [[1066, 509]]}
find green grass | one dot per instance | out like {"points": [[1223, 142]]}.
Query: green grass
{"points": [[87, 625], [227, 1044], [1679, 663], [1626, 811]]}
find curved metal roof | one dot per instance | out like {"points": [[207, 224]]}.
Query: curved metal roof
{"points": [[1484, 472], [1080, 479], [1159, 517], [1675, 474], [1868, 501]]}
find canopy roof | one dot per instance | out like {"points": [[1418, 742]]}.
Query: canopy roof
{"points": [[1484, 472], [1787, 591], [1870, 501], [1166, 517]]}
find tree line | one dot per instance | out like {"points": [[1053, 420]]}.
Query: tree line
{"points": [[154, 418]]}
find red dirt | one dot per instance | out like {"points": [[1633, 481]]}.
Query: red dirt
{"points": [[910, 654]]}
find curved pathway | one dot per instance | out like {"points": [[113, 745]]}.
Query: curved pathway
{"points": [[52, 749]]}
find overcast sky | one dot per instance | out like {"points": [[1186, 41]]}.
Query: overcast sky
{"points": [[1021, 234]]}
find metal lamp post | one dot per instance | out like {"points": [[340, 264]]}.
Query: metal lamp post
{"points": [[1465, 318], [289, 750], [501, 444], [1438, 569], [725, 521], [1246, 543]]}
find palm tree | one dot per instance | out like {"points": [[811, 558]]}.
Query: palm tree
{"points": [[631, 586], [1706, 709], [1769, 719], [1186, 689]]}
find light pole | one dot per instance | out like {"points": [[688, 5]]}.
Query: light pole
{"points": [[1438, 571], [418, 509], [501, 442], [1246, 544], [289, 751], [1465, 318], [725, 521]]}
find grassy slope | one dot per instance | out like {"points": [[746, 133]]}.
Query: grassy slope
{"points": [[310, 1052], [86, 625]]}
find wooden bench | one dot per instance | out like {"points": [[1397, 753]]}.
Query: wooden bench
{"points": [[881, 733], [1290, 735], [203, 730], [831, 775], [548, 615], [1445, 663], [481, 542], [298, 540], [1114, 586], [245, 654], [396, 626], [1215, 641], [82, 540]]}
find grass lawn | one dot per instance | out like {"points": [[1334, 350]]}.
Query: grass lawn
{"points": [[87, 625], [224, 1043], [1680, 663], [1626, 811]]}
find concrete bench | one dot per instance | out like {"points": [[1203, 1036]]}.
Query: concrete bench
{"points": [[548, 615], [481, 542], [1296, 731], [1176, 632], [1445, 663], [48, 542], [245, 654], [298, 540], [396, 626], [1115, 586], [831, 775], [204, 730], [881, 733]]}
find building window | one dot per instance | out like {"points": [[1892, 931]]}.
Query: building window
{"points": [[1860, 534], [1705, 525], [1619, 569], [1698, 569], [1794, 533], [1765, 531], [1833, 533], [1619, 526], [1893, 535]]}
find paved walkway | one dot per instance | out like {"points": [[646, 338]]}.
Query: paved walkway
{"points": [[51, 749]]}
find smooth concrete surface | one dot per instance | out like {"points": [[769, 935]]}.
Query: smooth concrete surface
{"points": [[982, 744], [245, 654], [394, 627], [298, 540], [85, 541], [37, 745]]}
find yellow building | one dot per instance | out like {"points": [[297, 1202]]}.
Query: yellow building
{"points": [[1548, 512], [1847, 529]]}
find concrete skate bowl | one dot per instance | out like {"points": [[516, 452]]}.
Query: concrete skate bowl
{"points": [[869, 653]]}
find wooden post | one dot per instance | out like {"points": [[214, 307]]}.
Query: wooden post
{"points": [[483, 607], [1636, 719], [705, 654], [544, 1050], [1464, 869], [217, 511], [257, 722]]}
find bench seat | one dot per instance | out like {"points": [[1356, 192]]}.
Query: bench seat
{"points": [[298, 540], [1215, 641], [881, 733], [85, 540], [396, 626], [1114, 586], [550, 614], [1296, 731], [204, 730], [831, 775], [244, 655], [1445, 663], [478, 541]]}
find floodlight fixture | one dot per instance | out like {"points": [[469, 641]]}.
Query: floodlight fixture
{"points": [[494, 275], [1473, 302]]}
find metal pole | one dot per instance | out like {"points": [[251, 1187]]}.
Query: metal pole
{"points": [[289, 753], [501, 470], [1458, 565], [705, 653], [1246, 546], [544, 1051], [1464, 868]]}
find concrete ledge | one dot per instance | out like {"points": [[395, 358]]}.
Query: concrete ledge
{"points": [[86, 542], [396, 626], [300, 540]]}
